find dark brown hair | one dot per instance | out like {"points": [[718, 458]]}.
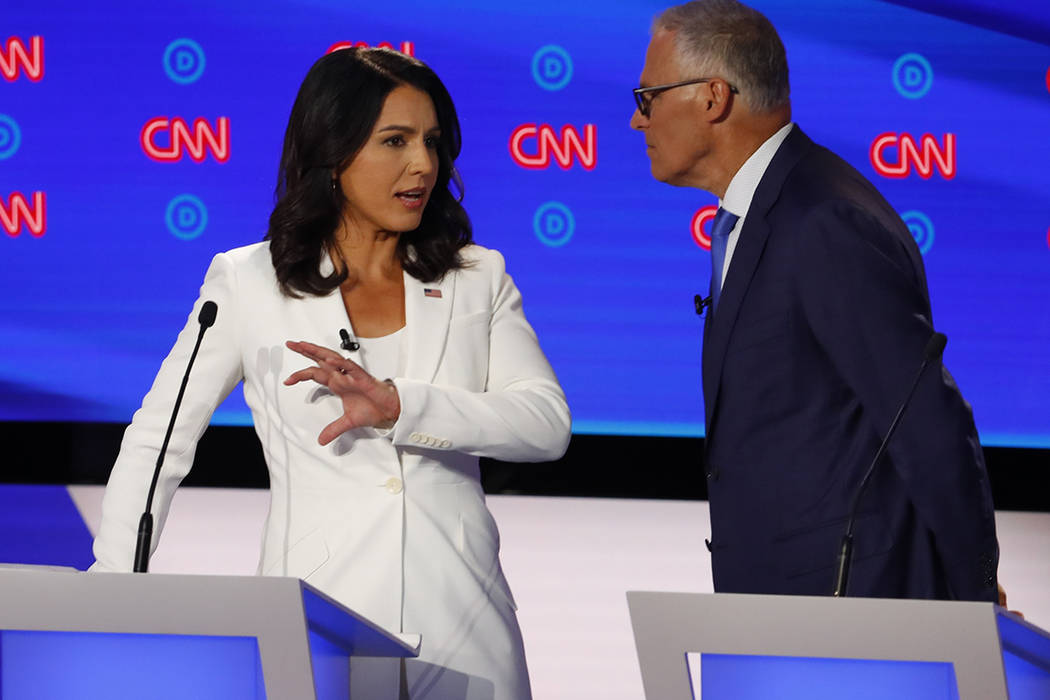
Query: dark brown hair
{"points": [[334, 113]]}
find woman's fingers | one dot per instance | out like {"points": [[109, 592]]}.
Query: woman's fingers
{"points": [[328, 362], [334, 429], [309, 374], [314, 352], [319, 354]]}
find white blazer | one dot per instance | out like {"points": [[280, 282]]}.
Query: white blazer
{"points": [[391, 523]]}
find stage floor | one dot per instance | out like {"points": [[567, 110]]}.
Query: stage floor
{"points": [[569, 562]]}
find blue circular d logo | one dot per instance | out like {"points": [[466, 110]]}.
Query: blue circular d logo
{"points": [[552, 67], [186, 217], [921, 229], [10, 137], [554, 224], [912, 76], [184, 61]]}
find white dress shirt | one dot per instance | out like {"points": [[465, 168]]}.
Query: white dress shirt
{"points": [[742, 188]]}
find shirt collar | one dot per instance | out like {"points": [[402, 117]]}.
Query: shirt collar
{"points": [[742, 187]]}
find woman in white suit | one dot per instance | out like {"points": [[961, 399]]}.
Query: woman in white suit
{"points": [[372, 450]]}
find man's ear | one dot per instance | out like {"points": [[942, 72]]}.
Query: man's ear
{"points": [[718, 101]]}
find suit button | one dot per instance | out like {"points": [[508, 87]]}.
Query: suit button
{"points": [[394, 485]]}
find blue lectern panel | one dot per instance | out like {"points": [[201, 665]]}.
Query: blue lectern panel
{"points": [[1026, 659], [93, 666], [331, 668], [794, 678], [1026, 680]]}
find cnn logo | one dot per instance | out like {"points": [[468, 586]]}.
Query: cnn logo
{"points": [[407, 47], [923, 157], [17, 212], [197, 140], [16, 58], [565, 148]]}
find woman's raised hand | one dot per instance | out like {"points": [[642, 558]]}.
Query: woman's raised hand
{"points": [[367, 401]]}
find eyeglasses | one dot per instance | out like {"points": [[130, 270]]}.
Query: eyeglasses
{"points": [[643, 96]]}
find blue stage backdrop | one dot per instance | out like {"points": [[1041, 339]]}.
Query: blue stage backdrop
{"points": [[137, 140]]}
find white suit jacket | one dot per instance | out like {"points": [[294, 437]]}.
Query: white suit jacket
{"points": [[392, 524]]}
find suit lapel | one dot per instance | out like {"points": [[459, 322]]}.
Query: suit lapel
{"points": [[331, 314], [746, 256], [720, 327], [428, 310]]}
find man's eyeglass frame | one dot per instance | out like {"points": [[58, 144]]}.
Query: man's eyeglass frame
{"points": [[643, 96]]}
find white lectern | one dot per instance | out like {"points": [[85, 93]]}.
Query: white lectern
{"points": [[68, 634], [761, 646]]}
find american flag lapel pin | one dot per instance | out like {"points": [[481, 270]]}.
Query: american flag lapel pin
{"points": [[433, 293]]}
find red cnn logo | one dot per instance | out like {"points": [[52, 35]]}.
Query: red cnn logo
{"points": [[909, 155], [14, 58], [563, 147], [17, 211], [407, 47], [182, 139], [701, 217]]}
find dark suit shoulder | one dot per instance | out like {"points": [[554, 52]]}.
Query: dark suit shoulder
{"points": [[821, 177], [811, 190]]}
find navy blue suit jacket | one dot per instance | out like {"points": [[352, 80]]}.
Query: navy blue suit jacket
{"points": [[819, 332]]}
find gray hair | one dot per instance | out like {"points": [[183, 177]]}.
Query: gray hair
{"points": [[729, 40]]}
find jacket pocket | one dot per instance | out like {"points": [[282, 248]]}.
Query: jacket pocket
{"points": [[300, 560], [478, 543], [474, 317]]}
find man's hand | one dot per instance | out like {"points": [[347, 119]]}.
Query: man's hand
{"points": [[1002, 602]]}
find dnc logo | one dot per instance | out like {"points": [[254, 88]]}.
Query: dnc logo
{"points": [[184, 61], [186, 217], [10, 137], [553, 224], [552, 67], [912, 76]]}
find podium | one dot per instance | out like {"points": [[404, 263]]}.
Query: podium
{"points": [[715, 646], [79, 636]]}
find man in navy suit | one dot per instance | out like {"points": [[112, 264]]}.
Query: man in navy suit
{"points": [[818, 323]]}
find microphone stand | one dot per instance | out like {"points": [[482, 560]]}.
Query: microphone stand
{"points": [[934, 347], [206, 318]]}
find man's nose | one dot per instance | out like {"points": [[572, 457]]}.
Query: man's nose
{"points": [[638, 121]]}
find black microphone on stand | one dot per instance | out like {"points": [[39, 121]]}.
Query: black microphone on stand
{"points": [[934, 348], [206, 318]]}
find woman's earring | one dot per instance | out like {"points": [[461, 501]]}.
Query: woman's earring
{"points": [[333, 185]]}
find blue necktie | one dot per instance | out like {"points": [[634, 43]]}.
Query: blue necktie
{"points": [[720, 228]]}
